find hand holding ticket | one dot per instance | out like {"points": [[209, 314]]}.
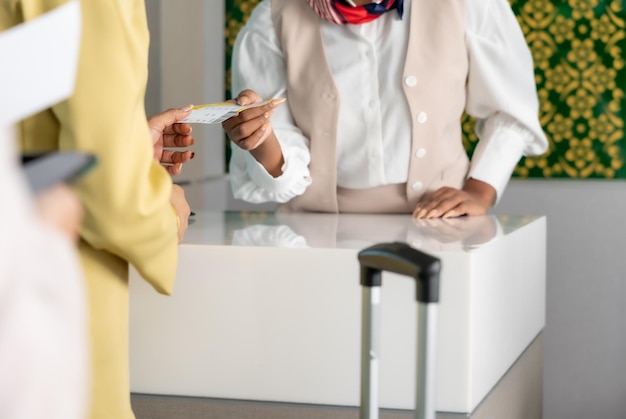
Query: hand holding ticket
{"points": [[215, 113]]}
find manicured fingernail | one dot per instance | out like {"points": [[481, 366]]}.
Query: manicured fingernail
{"points": [[278, 101], [193, 154], [242, 100], [432, 214], [450, 214], [187, 108]]}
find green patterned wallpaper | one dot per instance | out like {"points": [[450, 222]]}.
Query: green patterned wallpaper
{"points": [[237, 12], [578, 49]]}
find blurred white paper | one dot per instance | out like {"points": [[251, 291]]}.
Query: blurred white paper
{"points": [[39, 62]]}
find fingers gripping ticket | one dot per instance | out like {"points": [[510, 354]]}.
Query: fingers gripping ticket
{"points": [[251, 127]]}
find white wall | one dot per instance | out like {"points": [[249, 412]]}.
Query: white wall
{"points": [[585, 335], [187, 67], [585, 339]]}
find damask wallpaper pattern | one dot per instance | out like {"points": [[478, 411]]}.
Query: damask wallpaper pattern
{"points": [[578, 50]]}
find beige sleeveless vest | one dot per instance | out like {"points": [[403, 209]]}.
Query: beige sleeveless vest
{"points": [[433, 80]]}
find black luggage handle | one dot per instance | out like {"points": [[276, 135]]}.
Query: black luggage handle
{"points": [[402, 259]]}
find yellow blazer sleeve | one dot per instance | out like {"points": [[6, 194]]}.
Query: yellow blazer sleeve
{"points": [[127, 196]]}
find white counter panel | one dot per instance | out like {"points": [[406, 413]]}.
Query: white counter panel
{"points": [[267, 307]]}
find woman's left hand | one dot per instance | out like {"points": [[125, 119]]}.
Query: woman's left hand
{"points": [[475, 198]]}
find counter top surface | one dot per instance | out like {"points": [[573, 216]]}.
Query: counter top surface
{"points": [[347, 231]]}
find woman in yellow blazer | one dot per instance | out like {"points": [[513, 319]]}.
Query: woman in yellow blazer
{"points": [[132, 210]]}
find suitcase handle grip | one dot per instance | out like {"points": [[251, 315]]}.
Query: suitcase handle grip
{"points": [[402, 259]]}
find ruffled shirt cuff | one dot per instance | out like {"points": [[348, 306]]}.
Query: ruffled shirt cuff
{"points": [[254, 184], [503, 143]]}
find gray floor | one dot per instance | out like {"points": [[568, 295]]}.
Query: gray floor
{"points": [[158, 407]]}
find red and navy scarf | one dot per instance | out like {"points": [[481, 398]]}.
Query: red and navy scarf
{"points": [[341, 13]]}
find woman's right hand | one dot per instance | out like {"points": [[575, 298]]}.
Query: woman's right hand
{"points": [[251, 127], [251, 130], [60, 208]]}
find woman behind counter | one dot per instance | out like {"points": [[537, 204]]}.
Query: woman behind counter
{"points": [[375, 94]]}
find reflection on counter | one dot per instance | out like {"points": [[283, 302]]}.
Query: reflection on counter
{"points": [[348, 231]]}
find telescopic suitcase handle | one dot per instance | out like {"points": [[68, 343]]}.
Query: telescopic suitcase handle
{"points": [[402, 259]]}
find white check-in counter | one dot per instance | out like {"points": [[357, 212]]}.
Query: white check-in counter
{"points": [[267, 307]]}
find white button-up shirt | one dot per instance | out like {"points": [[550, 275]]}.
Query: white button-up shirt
{"points": [[374, 124]]}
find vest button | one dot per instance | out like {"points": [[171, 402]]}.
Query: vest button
{"points": [[411, 81], [422, 117], [417, 186], [421, 152]]}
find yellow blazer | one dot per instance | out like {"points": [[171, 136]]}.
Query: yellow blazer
{"points": [[128, 217]]}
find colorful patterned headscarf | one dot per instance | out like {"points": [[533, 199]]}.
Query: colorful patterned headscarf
{"points": [[341, 13]]}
